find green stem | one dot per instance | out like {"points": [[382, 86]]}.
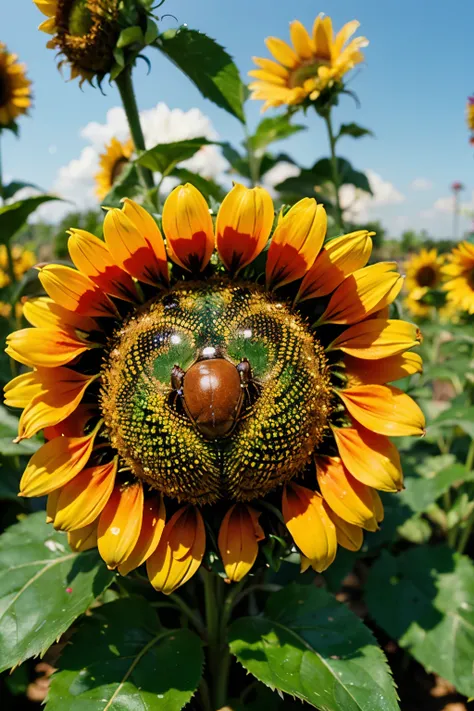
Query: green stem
{"points": [[470, 456], [336, 179], [254, 162], [464, 538], [179, 604], [127, 94], [218, 649]]}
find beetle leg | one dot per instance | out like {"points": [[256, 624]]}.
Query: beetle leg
{"points": [[245, 371], [177, 378]]}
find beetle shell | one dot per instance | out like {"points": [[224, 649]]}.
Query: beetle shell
{"points": [[213, 396]]}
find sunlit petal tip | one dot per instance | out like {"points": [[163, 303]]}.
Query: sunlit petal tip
{"points": [[347, 497], [296, 242], [120, 524], [179, 552], [153, 523], [148, 228], [75, 291], [45, 347], [377, 338], [83, 539], [243, 226], [43, 312], [238, 539], [188, 228], [385, 370], [309, 525]]}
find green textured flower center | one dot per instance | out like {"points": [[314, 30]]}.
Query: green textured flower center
{"points": [[171, 399]]}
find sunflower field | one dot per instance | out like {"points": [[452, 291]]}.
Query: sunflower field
{"points": [[237, 424]]}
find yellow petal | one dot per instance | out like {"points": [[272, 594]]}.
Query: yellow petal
{"points": [[347, 497], [239, 535], [82, 500], [188, 228], [339, 258], [296, 242], [243, 226], [153, 523], [309, 524], [302, 42], [371, 458], [147, 227], [348, 536], [120, 523], [20, 391], [179, 552], [45, 347], [384, 409], [43, 312], [282, 52], [323, 37], [83, 539], [377, 338], [385, 370], [75, 291]]}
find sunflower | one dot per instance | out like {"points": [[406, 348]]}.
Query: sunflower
{"points": [[423, 273], [459, 272], [112, 162], [23, 260], [15, 88], [312, 65], [85, 32], [184, 399]]}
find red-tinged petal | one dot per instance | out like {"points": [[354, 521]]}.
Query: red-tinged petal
{"points": [[120, 523], [296, 243], [188, 228], [45, 347], [21, 390], [377, 338], [363, 292], [239, 535], [61, 390], [346, 496], [309, 524], [83, 498], [91, 256], [130, 249], [348, 536], [74, 425], [243, 226], [179, 552], [153, 523], [384, 409], [83, 539], [75, 291], [56, 463], [371, 458], [339, 258], [148, 228], [385, 370], [43, 312]]}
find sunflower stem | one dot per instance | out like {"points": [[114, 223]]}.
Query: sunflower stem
{"points": [[218, 649], [254, 162], [336, 178], [127, 94], [8, 249]]}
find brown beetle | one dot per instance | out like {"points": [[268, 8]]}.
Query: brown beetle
{"points": [[212, 392]]}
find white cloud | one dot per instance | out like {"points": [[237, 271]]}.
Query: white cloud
{"points": [[421, 184], [75, 181], [359, 206], [280, 172]]}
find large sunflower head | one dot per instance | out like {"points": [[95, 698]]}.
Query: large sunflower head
{"points": [[423, 273], [459, 272], [311, 65], [86, 33], [15, 88], [188, 391], [111, 164]]}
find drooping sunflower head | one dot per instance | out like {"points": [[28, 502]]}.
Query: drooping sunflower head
{"points": [[15, 88], [111, 164], [86, 32], [311, 65], [459, 273], [423, 274], [187, 385]]}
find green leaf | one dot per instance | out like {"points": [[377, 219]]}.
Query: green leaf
{"points": [[455, 416], [423, 598], [421, 492], [354, 130], [14, 215], [9, 482], [43, 587], [311, 646], [206, 186], [273, 129], [8, 432], [151, 32], [121, 658], [208, 66], [126, 185], [164, 157], [16, 185], [130, 35]]}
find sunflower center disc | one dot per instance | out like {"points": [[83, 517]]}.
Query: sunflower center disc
{"points": [[194, 436], [426, 276]]}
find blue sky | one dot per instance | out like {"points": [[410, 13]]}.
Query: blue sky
{"points": [[412, 88]]}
